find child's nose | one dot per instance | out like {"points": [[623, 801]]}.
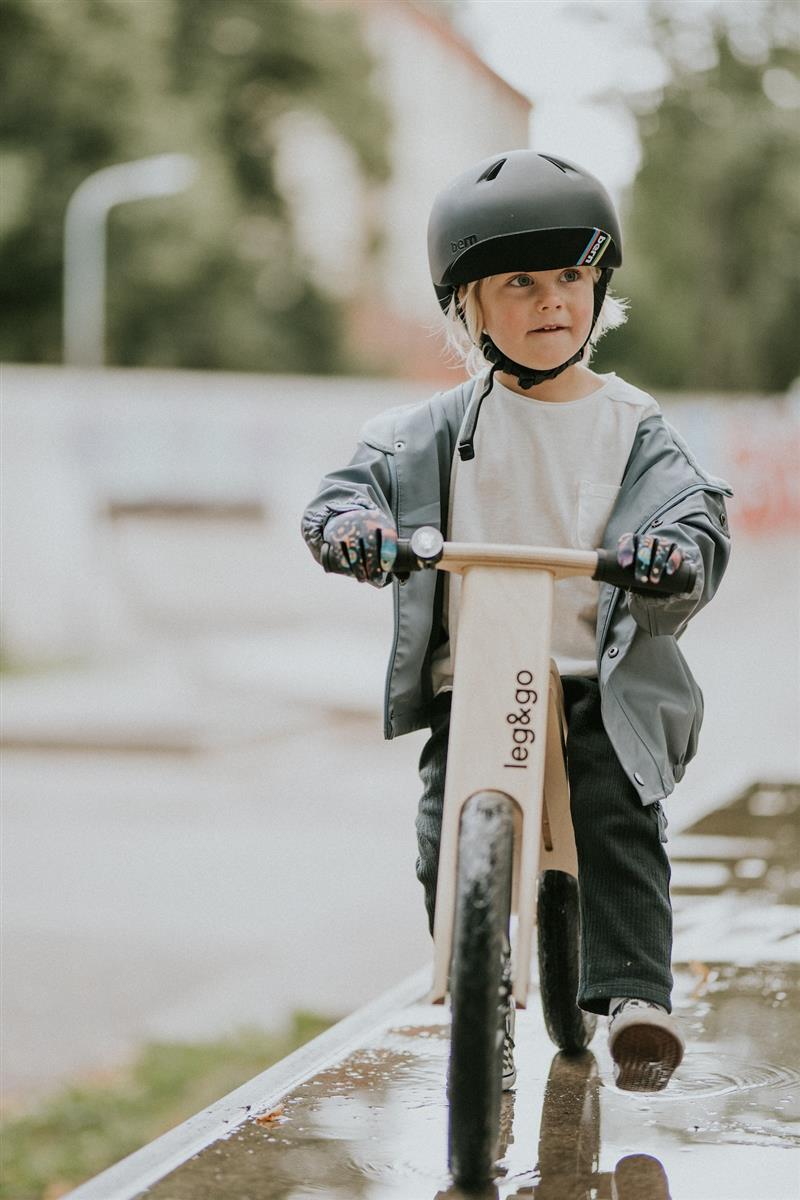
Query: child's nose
{"points": [[549, 297]]}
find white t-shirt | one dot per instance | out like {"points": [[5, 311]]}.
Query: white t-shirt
{"points": [[544, 474]]}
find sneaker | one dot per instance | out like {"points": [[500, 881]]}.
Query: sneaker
{"points": [[509, 1070], [645, 1045]]}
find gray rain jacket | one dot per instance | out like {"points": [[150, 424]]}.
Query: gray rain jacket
{"points": [[652, 707]]}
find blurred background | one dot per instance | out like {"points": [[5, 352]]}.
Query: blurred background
{"points": [[213, 271]]}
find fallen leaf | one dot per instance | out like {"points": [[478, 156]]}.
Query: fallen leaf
{"points": [[271, 1117], [701, 971]]}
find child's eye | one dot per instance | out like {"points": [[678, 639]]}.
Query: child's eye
{"points": [[521, 281], [571, 275]]}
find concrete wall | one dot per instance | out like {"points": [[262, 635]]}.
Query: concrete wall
{"points": [[141, 498], [81, 449]]}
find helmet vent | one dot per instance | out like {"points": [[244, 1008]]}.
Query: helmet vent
{"points": [[561, 166], [493, 171]]}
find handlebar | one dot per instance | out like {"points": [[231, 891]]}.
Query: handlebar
{"points": [[426, 547]]}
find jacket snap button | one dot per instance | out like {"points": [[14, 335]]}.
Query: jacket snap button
{"points": [[399, 445], [658, 521], [723, 520], [638, 778], [613, 651]]}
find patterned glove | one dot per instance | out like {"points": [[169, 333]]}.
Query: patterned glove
{"points": [[363, 544], [650, 557]]}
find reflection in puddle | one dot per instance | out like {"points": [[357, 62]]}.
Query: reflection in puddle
{"points": [[728, 1127]]}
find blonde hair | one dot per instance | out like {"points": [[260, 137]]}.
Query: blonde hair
{"points": [[463, 336]]}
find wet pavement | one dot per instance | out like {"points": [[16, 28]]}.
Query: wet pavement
{"points": [[727, 1128]]}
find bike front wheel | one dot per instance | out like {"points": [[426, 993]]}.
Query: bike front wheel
{"points": [[558, 919], [477, 987]]}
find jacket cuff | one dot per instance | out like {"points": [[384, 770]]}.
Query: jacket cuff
{"points": [[663, 615]]}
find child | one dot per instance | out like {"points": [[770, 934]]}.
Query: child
{"points": [[521, 248]]}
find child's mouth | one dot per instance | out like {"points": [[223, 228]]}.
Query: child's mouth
{"points": [[549, 329]]}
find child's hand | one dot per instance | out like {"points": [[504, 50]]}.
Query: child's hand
{"points": [[650, 557], [363, 543]]}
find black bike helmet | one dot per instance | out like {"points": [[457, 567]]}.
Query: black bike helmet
{"points": [[520, 211]]}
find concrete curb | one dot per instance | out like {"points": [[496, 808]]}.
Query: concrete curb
{"points": [[140, 1170]]}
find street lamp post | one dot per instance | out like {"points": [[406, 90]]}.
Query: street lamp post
{"points": [[85, 243]]}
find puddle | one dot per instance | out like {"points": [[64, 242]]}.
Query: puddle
{"points": [[728, 1128]]}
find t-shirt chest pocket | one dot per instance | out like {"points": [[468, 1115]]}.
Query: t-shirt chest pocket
{"points": [[595, 502]]}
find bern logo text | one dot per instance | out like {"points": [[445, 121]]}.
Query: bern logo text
{"points": [[597, 247]]}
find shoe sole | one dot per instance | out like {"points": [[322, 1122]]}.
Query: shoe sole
{"points": [[645, 1056]]}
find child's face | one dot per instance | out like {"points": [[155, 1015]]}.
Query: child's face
{"points": [[539, 319]]}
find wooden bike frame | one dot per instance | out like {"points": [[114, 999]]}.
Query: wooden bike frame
{"points": [[507, 729]]}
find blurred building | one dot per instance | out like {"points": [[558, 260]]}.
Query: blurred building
{"points": [[448, 109], [95, 482]]}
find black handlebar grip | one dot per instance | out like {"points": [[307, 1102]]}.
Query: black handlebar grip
{"points": [[422, 550], [406, 560], [609, 571], [331, 562]]}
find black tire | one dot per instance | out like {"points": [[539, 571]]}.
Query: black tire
{"points": [[559, 937], [480, 937]]}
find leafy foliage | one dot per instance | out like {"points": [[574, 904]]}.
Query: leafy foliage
{"points": [[713, 235], [210, 278], [90, 1126]]}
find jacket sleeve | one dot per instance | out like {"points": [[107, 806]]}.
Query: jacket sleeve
{"points": [[700, 530], [364, 483]]}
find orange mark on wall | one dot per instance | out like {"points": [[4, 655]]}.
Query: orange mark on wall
{"points": [[765, 470]]}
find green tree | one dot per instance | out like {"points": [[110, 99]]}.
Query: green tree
{"points": [[211, 278], [713, 230]]}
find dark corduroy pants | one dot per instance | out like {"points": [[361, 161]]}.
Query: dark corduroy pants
{"points": [[623, 869]]}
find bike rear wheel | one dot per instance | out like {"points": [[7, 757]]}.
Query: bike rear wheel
{"points": [[559, 935], [480, 939]]}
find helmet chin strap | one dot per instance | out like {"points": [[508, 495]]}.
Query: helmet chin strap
{"points": [[527, 377]]}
